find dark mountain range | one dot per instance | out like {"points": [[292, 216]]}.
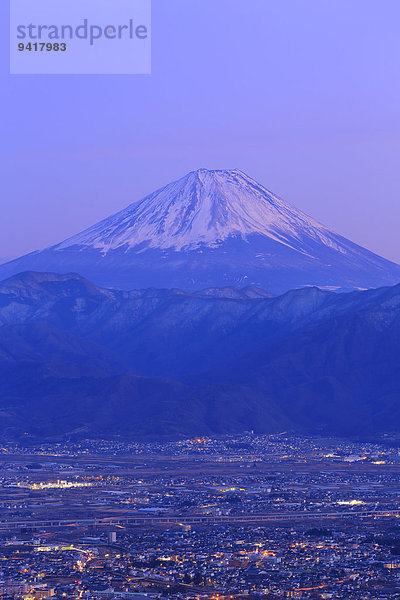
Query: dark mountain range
{"points": [[212, 229], [76, 357], [53, 383]]}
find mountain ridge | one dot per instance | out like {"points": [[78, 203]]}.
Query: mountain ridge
{"points": [[168, 362]]}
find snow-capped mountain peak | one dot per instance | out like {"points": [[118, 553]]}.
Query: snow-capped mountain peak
{"points": [[203, 208], [212, 229]]}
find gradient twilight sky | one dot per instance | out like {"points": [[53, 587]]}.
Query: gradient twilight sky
{"points": [[303, 95]]}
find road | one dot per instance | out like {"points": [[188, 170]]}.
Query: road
{"points": [[204, 520]]}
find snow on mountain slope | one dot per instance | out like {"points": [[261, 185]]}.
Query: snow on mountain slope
{"points": [[212, 229], [205, 207]]}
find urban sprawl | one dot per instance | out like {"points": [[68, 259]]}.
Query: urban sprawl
{"points": [[271, 517]]}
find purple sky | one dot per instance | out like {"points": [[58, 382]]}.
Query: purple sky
{"points": [[303, 95]]}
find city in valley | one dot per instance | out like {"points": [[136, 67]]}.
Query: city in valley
{"points": [[276, 516]]}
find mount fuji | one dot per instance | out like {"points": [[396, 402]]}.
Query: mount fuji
{"points": [[212, 229]]}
